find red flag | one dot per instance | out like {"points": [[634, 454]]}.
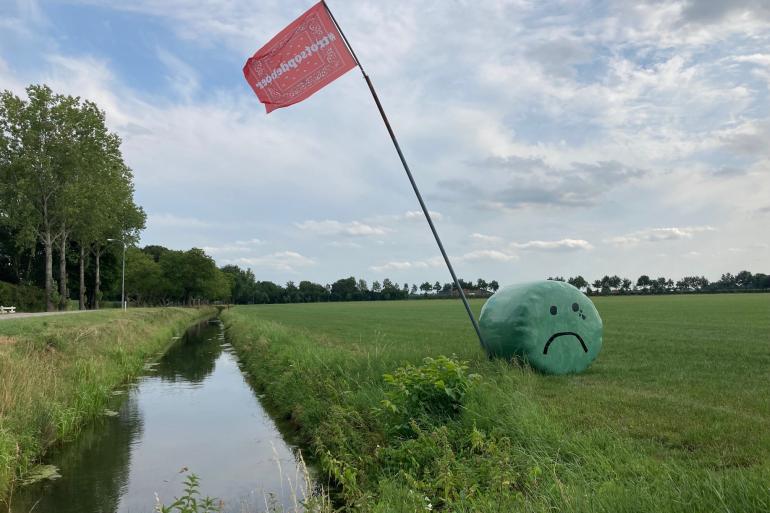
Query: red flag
{"points": [[300, 60]]}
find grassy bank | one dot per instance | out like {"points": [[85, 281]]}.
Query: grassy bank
{"points": [[671, 417], [57, 372]]}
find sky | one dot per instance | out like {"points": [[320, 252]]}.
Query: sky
{"points": [[548, 138]]}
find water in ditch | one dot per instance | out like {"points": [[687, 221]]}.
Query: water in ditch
{"points": [[192, 412]]}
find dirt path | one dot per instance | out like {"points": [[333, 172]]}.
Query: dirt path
{"points": [[22, 315]]}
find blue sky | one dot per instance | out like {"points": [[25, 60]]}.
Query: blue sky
{"points": [[550, 138]]}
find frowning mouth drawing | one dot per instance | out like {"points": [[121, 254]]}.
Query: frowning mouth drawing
{"points": [[564, 334]]}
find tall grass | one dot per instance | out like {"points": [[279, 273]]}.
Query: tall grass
{"points": [[56, 373], [522, 441]]}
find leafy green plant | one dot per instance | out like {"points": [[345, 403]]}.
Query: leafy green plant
{"points": [[192, 501], [436, 387]]}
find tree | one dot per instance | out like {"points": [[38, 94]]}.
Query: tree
{"points": [[313, 292], [493, 285], [362, 286], [104, 182], [191, 275], [34, 165], [578, 282], [625, 286], [426, 287], [644, 282], [727, 281], [760, 281], [414, 288], [481, 284], [437, 287], [743, 279], [344, 289], [376, 287], [243, 283], [144, 277]]}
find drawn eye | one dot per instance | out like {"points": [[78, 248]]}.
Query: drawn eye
{"points": [[575, 307], [553, 310]]}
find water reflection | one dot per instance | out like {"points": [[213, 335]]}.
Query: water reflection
{"points": [[193, 410], [193, 360]]}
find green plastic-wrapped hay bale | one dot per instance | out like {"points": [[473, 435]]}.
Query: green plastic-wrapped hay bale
{"points": [[549, 324]]}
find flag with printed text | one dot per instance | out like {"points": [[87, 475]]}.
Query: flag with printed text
{"points": [[304, 57]]}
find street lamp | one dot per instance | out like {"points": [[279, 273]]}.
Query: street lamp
{"points": [[123, 304]]}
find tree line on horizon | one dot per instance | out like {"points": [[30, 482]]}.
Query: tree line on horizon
{"points": [[156, 275], [607, 285], [65, 194]]}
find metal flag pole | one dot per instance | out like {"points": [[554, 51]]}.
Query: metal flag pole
{"points": [[411, 179]]}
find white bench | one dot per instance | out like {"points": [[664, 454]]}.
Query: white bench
{"points": [[7, 309]]}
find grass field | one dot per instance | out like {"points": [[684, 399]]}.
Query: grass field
{"points": [[673, 416], [57, 372]]}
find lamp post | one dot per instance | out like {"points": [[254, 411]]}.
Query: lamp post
{"points": [[123, 304]]}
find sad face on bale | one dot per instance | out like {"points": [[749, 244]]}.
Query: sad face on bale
{"points": [[551, 325]]}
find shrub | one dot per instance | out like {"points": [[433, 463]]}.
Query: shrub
{"points": [[24, 297], [435, 388]]}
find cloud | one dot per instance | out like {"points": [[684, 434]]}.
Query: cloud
{"points": [[183, 78], [417, 215], [347, 244], [486, 239], [616, 109], [749, 139], [715, 11], [554, 245], [480, 255], [350, 229], [659, 234], [249, 242], [486, 254], [288, 261], [404, 265], [762, 59], [167, 220], [531, 181], [239, 246]]}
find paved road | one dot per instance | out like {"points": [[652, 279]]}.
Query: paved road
{"points": [[4, 317]]}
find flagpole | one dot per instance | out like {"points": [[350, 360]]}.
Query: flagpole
{"points": [[411, 179]]}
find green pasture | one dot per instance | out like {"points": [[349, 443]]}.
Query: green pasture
{"points": [[673, 416]]}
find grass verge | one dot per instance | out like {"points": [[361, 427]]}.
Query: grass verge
{"points": [[57, 372], [669, 419]]}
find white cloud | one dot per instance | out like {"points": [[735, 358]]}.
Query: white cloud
{"points": [[351, 229], [417, 215], [486, 254], [288, 261], [184, 79], [554, 245], [405, 265], [763, 59], [249, 242], [486, 239], [239, 247], [659, 234], [167, 220]]}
